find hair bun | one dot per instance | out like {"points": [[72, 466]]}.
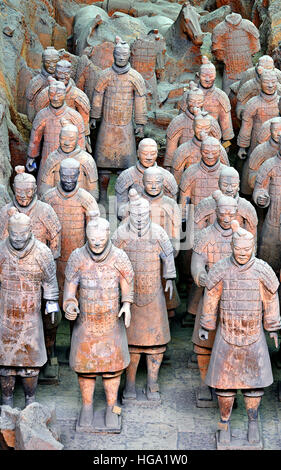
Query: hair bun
{"points": [[235, 225], [19, 169], [217, 195]]}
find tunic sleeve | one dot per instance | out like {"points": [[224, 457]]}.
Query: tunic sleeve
{"points": [[167, 256], [245, 133], [211, 300], [126, 272], [72, 279], [50, 285], [271, 310], [36, 136]]}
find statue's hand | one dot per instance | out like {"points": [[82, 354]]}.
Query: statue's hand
{"points": [[93, 123], [71, 312], [262, 200], [139, 131], [169, 287], [126, 309], [88, 144], [274, 336], [202, 279], [30, 164], [203, 334], [242, 153]]}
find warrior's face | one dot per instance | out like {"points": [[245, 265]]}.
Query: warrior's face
{"points": [[195, 101], [19, 236], [229, 185], [63, 75], [68, 140], [225, 215], [57, 97], [243, 249], [50, 64], [147, 154], [275, 130], [269, 84], [69, 178], [98, 238], [210, 154], [153, 184], [121, 56], [207, 77], [202, 125], [139, 216], [24, 193]]}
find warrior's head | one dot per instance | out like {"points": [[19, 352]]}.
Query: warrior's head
{"points": [[229, 181], [202, 123], [275, 129], [121, 52], [19, 229], [97, 232], [56, 92], [68, 136], [210, 149], [63, 71], [226, 209], [50, 57], [266, 62], [194, 98], [207, 73], [147, 152], [24, 187], [139, 210], [268, 81], [69, 174], [153, 180], [243, 243]]}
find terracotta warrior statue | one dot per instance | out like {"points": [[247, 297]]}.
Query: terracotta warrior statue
{"points": [[264, 151], [267, 194], [133, 176], [252, 87], [190, 152], [46, 228], [181, 129], [258, 110], [240, 358], [4, 196], [264, 133], [234, 41], [210, 245], [205, 211], [266, 62], [27, 267], [47, 126], [146, 244], [99, 344], [216, 101], [119, 97], [71, 204], [74, 97], [69, 148], [165, 212], [50, 57], [201, 179]]}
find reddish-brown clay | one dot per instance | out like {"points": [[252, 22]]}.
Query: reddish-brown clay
{"points": [[181, 129], [50, 57], [26, 267], [240, 358], [146, 245], [266, 62], [71, 203], [99, 344], [69, 148], [48, 123], [190, 152], [234, 41], [133, 176]]}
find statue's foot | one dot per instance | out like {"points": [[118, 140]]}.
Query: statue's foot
{"points": [[253, 432], [205, 393], [50, 371], [112, 418], [86, 416], [152, 392], [29, 400], [224, 433], [130, 392], [9, 401]]}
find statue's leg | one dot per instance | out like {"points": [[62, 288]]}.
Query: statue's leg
{"points": [[87, 388], [226, 400], [153, 362], [111, 387], [7, 388], [131, 372], [104, 178], [203, 359], [29, 386], [50, 371], [252, 399]]}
